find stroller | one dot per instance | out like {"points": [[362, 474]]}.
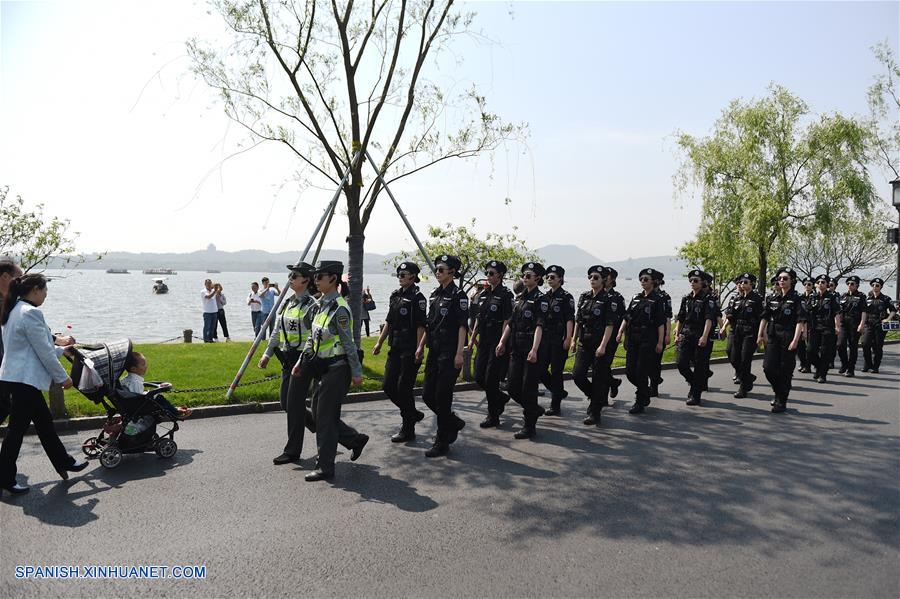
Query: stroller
{"points": [[132, 418]]}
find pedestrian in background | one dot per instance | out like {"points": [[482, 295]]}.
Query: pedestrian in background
{"points": [[253, 300], [368, 304], [210, 310], [220, 313], [267, 296]]}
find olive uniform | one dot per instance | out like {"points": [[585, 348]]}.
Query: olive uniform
{"points": [[852, 310], [782, 314], [644, 315], [822, 308], [877, 309], [743, 315], [406, 315], [560, 313], [448, 310], [693, 361], [496, 305]]}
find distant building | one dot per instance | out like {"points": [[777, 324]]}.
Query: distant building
{"points": [[211, 247]]}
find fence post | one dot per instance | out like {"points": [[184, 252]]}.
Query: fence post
{"points": [[58, 402], [188, 335]]}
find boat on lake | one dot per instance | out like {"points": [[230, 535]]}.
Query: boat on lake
{"points": [[159, 286], [117, 271], [159, 271]]}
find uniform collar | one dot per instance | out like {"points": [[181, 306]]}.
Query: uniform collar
{"points": [[330, 297]]}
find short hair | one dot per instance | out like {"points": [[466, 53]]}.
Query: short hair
{"points": [[131, 359], [8, 266], [265, 279], [252, 283]]}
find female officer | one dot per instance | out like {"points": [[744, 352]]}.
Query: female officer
{"points": [[495, 307], [645, 322], [853, 304], [742, 316], [782, 323], [824, 324], [522, 339], [877, 309], [696, 316], [330, 356], [445, 335], [556, 337], [405, 326], [292, 327]]}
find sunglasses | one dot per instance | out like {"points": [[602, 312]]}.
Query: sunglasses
{"points": [[403, 275], [644, 279], [594, 277], [528, 275], [294, 275], [322, 275], [492, 273], [552, 277], [744, 282], [876, 284], [788, 279], [693, 280], [442, 269]]}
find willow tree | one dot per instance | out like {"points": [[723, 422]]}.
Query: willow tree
{"points": [[770, 167], [331, 80]]}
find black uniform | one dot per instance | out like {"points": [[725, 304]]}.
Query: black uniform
{"points": [[645, 314], [594, 314], [448, 310], [693, 313], [529, 312], [406, 313], [782, 313], [743, 314], [877, 309], [802, 350], [496, 306], [667, 311], [822, 335], [852, 310], [561, 311]]}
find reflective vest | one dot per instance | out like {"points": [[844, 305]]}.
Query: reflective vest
{"points": [[292, 332], [328, 344]]}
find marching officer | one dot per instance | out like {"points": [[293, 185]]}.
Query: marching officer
{"points": [[404, 328], [596, 322], [330, 356], [742, 316], [496, 304], [853, 303], [696, 316], [658, 282], [824, 324], [556, 337], [802, 349], [644, 324], [292, 326], [780, 328], [609, 286], [878, 308], [522, 340], [445, 335]]}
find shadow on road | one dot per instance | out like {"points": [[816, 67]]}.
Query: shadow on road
{"points": [[372, 485]]}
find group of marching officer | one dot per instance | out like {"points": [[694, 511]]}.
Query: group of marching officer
{"points": [[525, 339]]}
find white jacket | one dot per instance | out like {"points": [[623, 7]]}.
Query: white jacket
{"points": [[29, 355]]}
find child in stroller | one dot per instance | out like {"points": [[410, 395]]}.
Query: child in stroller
{"points": [[136, 367]]}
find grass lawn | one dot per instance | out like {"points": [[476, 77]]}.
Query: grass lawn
{"points": [[195, 365]]}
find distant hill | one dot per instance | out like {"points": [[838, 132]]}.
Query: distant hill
{"points": [[671, 266], [570, 257]]}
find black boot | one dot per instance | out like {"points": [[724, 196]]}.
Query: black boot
{"points": [[490, 422], [440, 448], [842, 370], [528, 431], [614, 387], [407, 433], [780, 406]]}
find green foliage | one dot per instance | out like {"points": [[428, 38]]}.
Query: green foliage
{"points": [[884, 109], [473, 250], [768, 168], [33, 238]]}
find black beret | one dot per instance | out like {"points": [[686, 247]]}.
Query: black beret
{"points": [[825, 278], [878, 280], [599, 269], [853, 279], [647, 272], [303, 268], [496, 265], [696, 273], [557, 270], [658, 276], [332, 267], [410, 267], [790, 271], [612, 272], [536, 267], [746, 275], [807, 280], [451, 261]]}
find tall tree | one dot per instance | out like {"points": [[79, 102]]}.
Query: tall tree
{"points": [[329, 80], [884, 109], [770, 167], [33, 238]]}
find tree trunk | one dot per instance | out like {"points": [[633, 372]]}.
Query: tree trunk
{"points": [[355, 252]]}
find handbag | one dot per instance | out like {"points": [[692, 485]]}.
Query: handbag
{"points": [[369, 305]]}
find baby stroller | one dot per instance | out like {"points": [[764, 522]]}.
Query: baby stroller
{"points": [[132, 418]]}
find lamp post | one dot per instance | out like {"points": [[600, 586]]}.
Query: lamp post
{"points": [[895, 198]]}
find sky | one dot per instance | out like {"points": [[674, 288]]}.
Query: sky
{"points": [[102, 121]]}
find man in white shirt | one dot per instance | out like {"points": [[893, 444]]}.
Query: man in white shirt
{"points": [[255, 303], [210, 310]]}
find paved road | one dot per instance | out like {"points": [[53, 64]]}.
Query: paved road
{"points": [[725, 500]]}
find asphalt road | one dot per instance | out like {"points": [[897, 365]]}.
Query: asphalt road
{"points": [[724, 500]]}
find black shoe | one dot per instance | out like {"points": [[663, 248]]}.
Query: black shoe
{"points": [[693, 401], [805, 370], [821, 379], [360, 443], [551, 411], [590, 420], [437, 450], [285, 458], [318, 474], [842, 370], [310, 421], [460, 424], [490, 422], [865, 369], [850, 374], [77, 466], [16, 489], [741, 394], [407, 433], [654, 391], [527, 432], [614, 387], [637, 408], [735, 380], [778, 407], [874, 371]]}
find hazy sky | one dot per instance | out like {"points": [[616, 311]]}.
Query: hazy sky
{"points": [[102, 122]]}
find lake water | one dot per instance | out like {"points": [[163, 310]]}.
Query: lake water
{"points": [[101, 307]]}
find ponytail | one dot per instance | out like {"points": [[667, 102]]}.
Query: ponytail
{"points": [[19, 287]]}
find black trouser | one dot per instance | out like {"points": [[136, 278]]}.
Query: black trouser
{"points": [[366, 325], [4, 399], [330, 429], [779, 361], [596, 390], [692, 355], [220, 318], [400, 371], [28, 406], [848, 339], [743, 346], [656, 379], [821, 347], [437, 393], [640, 365], [873, 344], [489, 370], [522, 382], [552, 375], [803, 352], [293, 394]]}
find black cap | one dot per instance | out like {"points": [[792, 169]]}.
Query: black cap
{"points": [[451, 261], [332, 267], [878, 280], [697, 273], [496, 265], [410, 267], [612, 272], [806, 280], [853, 279], [557, 270], [647, 272], [790, 271], [658, 276], [825, 278], [599, 269], [748, 276], [303, 268], [536, 267]]}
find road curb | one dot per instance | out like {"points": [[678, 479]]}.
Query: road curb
{"points": [[96, 422]]}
